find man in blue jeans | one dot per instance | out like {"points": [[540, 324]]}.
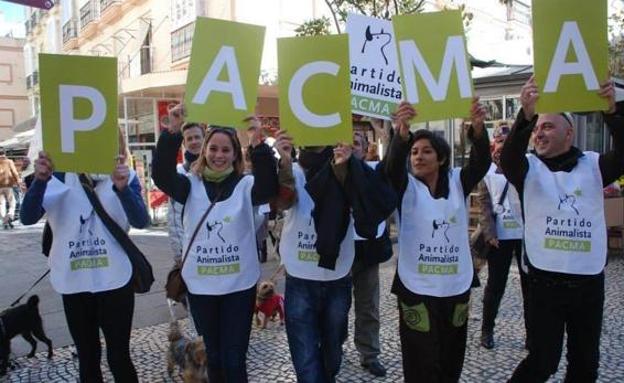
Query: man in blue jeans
{"points": [[317, 248]]}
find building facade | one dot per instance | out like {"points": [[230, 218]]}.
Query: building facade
{"points": [[14, 105]]}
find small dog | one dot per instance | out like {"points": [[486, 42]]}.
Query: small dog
{"points": [[23, 320], [189, 355], [269, 303]]}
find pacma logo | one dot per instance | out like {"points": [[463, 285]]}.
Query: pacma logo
{"points": [[568, 201], [216, 227], [441, 227], [379, 40]]}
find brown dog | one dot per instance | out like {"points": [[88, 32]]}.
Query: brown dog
{"points": [[269, 303], [189, 355]]}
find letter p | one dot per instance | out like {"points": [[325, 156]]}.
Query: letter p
{"points": [[70, 124]]}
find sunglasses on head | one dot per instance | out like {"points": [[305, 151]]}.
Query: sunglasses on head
{"points": [[222, 129]]}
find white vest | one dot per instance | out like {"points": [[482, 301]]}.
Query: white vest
{"points": [[565, 228], [508, 213], [434, 254], [299, 236], [224, 257], [84, 256]]}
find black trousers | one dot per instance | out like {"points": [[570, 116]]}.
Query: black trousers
{"points": [[499, 262], [433, 337], [556, 306], [112, 312], [224, 321]]}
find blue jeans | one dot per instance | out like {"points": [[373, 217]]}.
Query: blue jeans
{"points": [[224, 321], [317, 316]]}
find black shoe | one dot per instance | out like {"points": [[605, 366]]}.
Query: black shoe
{"points": [[487, 339], [11, 225], [375, 367]]}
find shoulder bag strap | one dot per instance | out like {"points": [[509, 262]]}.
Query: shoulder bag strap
{"points": [[199, 224], [117, 232], [504, 193]]}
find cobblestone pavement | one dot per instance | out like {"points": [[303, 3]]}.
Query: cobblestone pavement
{"points": [[269, 359]]}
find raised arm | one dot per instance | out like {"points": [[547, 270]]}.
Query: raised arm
{"points": [[264, 170], [480, 157], [395, 163], [612, 162], [32, 205], [164, 172], [129, 193], [287, 194], [513, 156]]}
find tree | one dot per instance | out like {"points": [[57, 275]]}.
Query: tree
{"points": [[383, 9], [314, 27], [616, 44]]}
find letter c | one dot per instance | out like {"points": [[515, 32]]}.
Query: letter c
{"points": [[295, 94]]}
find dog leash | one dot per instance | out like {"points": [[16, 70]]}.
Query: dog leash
{"points": [[276, 273], [30, 288]]}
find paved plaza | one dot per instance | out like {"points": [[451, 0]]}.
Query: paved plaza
{"points": [[269, 359]]}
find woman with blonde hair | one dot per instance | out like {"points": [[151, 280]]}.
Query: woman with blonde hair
{"points": [[220, 264]]}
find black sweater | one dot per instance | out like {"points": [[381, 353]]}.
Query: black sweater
{"points": [[515, 165], [178, 186], [395, 165]]}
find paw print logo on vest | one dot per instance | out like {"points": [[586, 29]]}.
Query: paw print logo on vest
{"points": [[85, 226], [568, 201], [216, 227], [441, 228]]}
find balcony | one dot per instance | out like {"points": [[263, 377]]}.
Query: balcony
{"points": [[88, 19], [142, 63], [35, 78], [181, 41], [110, 10], [70, 34], [29, 84]]}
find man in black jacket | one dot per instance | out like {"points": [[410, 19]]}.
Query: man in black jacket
{"points": [[565, 234]]}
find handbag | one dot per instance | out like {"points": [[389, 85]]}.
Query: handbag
{"points": [[142, 274], [479, 247], [175, 287]]}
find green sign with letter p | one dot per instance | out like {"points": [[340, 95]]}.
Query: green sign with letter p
{"points": [[79, 112]]}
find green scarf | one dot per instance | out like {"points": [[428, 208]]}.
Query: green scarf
{"points": [[214, 176]]}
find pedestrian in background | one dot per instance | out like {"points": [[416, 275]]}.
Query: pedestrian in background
{"points": [[9, 178], [500, 217], [369, 253]]}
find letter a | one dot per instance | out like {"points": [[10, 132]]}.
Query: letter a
{"points": [[69, 124], [570, 35], [226, 57]]}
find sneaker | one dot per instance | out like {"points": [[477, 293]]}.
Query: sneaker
{"points": [[375, 367], [487, 339]]}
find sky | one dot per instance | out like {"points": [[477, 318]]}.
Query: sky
{"points": [[11, 19]]}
